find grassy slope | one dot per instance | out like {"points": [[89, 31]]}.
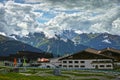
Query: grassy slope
{"points": [[47, 74], [17, 76]]}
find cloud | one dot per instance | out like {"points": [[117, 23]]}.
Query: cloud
{"points": [[17, 18], [1, 5], [52, 16], [78, 4], [105, 22], [22, 25], [86, 21], [116, 27]]}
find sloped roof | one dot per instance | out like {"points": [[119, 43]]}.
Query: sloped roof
{"points": [[110, 49], [91, 50], [86, 55], [111, 52]]}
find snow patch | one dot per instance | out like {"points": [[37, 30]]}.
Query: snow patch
{"points": [[106, 41], [78, 32], [13, 37], [105, 36], [65, 40], [2, 33]]}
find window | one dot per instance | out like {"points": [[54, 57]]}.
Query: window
{"points": [[64, 65], [70, 62], [82, 66], [64, 61], [76, 61], [60, 65], [70, 65], [101, 65], [82, 61], [76, 66], [108, 65]]}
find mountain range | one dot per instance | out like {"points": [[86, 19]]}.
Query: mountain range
{"points": [[66, 42], [55, 45], [69, 41], [11, 46]]}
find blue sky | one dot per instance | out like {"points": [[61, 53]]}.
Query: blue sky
{"points": [[50, 16], [45, 17]]}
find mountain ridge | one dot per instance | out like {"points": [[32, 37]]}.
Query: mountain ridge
{"points": [[11, 46], [69, 41]]}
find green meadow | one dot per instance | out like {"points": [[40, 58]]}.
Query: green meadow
{"points": [[47, 74]]}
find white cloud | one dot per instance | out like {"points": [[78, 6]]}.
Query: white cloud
{"points": [[32, 1], [77, 4], [116, 27], [24, 32], [22, 25], [92, 16], [105, 22], [18, 18], [86, 22], [1, 5]]}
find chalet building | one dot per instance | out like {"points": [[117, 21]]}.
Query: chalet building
{"points": [[87, 59], [107, 58], [111, 53]]}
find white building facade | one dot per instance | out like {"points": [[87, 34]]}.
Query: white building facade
{"points": [[87, 63]]}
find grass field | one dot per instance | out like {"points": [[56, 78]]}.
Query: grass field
{"points": [[47, 74]]}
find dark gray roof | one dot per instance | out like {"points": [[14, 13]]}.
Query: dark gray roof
{"points": [[86, 55]]}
